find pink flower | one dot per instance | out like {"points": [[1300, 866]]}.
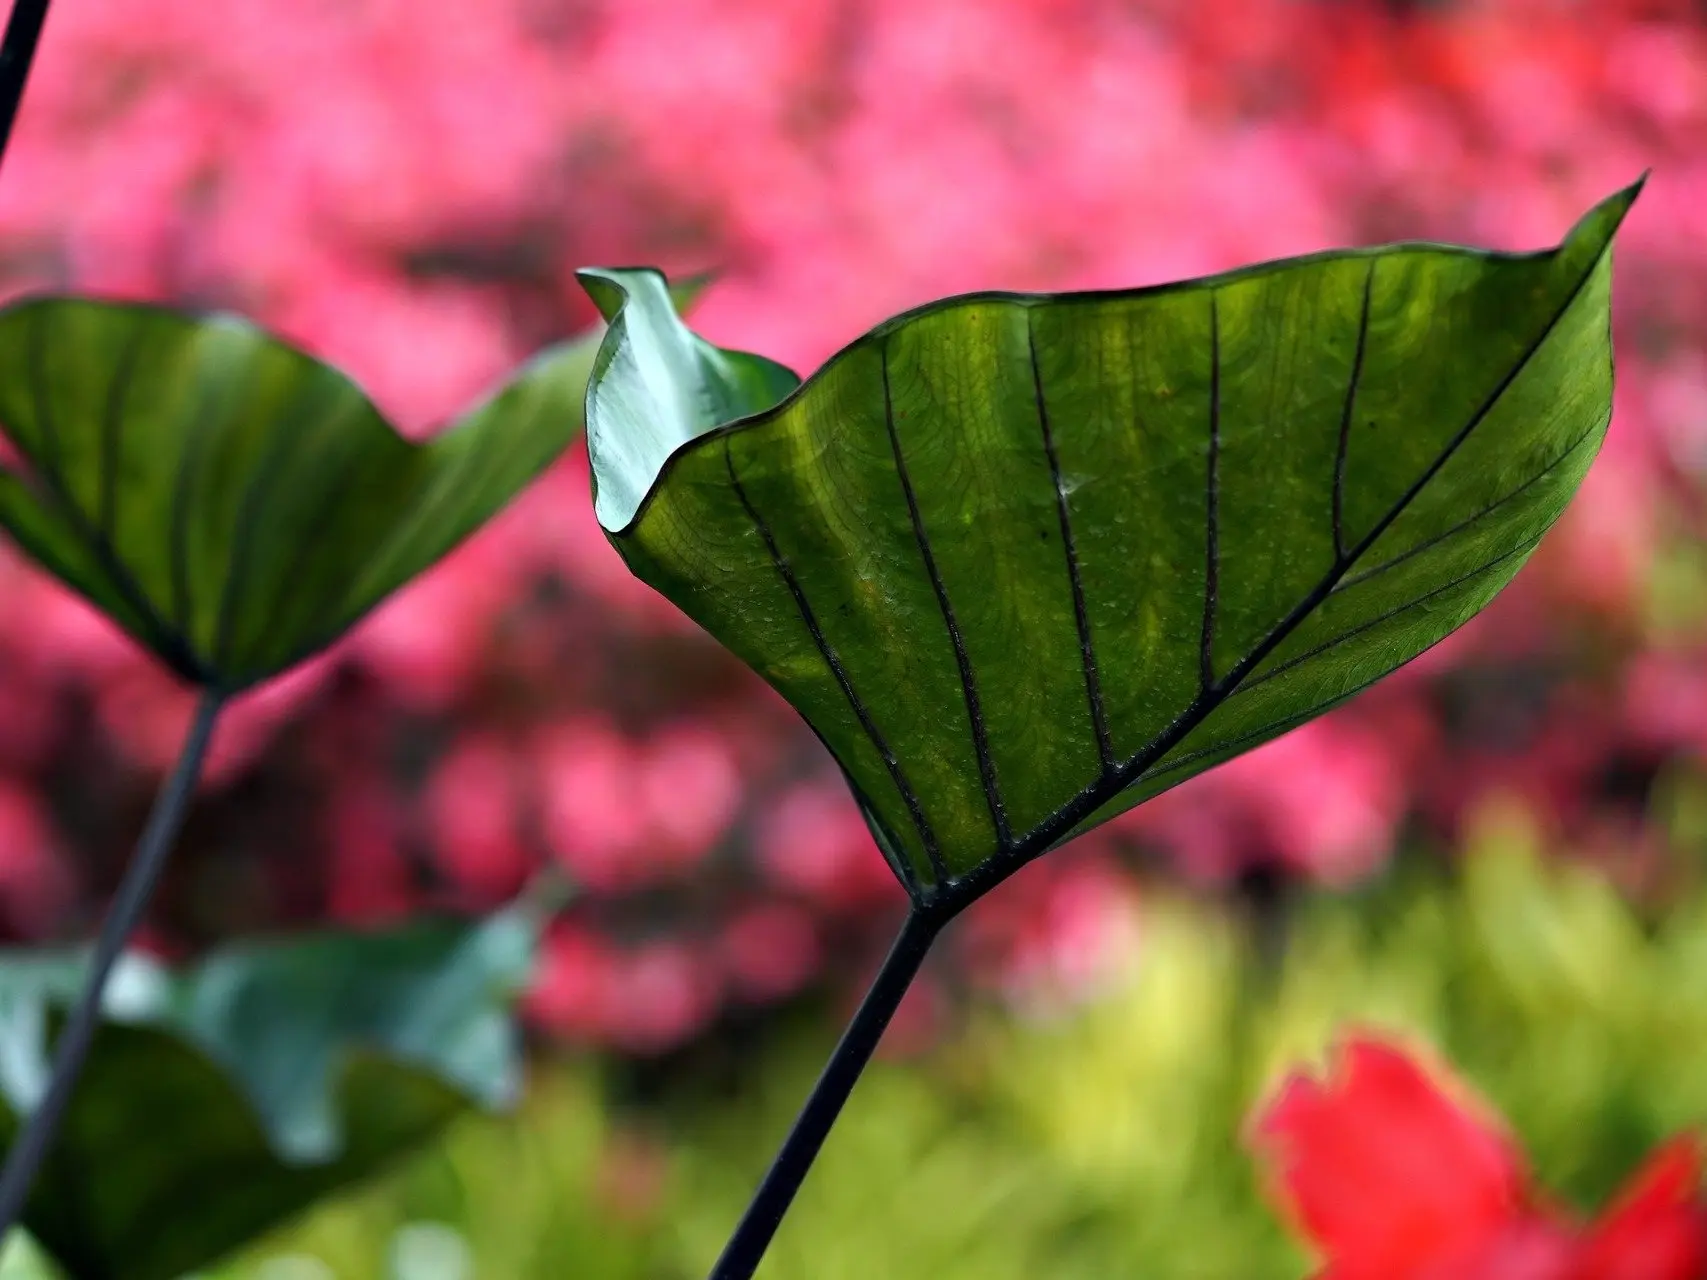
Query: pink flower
{"points": [[661, 995], [689, 787], [770, 951], [405, 185], [590, 819], [814, 841], [471, 811], [1056, 929]]}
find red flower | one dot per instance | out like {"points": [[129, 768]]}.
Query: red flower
{"points": [[1657, 1229], [1394, 1174]]}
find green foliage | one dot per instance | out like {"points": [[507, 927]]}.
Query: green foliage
{"points": [[219, 1100], [230, 502], [1102, 1144], [1024, 562]]}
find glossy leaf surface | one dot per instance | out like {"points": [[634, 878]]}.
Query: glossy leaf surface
{"points": [[231, 502], [221, 1099], [1026, 561]]}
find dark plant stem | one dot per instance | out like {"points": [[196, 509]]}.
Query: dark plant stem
{"points": [[17, 52], [25, 1159], [752, 1236]]}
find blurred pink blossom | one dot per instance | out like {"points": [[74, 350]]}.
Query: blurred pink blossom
{"points": [[405, 189]]}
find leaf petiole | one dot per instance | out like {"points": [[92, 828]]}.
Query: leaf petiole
{"points": [[17, 52], [24, 1160], [746, 1247]]}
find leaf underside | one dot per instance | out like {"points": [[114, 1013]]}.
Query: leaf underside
{"points": [[220, 1100], [231, 502], [1023, 562]]}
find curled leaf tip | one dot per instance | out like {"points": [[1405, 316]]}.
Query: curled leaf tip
{"points": [[657, 386], [608, 287]]}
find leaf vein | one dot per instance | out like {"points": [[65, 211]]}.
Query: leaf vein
{"points": [[838, 670], [1081, 614], [1255, 735], [171, 648], [330, 499], [1389, 614], [968, 682], [1344, 445], [257, 496], [1375, 571], [112, 432], [1212, 500], [178, 547]]}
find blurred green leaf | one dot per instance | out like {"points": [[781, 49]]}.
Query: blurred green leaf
{"points": [[231, 502], [1101, 1136], [223, 1098], [1024, 562]]}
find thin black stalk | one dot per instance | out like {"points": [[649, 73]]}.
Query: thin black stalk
{"points": [[752, 1236], [17, 52], [25, 1159]]}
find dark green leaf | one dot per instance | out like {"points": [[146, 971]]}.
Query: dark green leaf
{"points": [[1024, 562], [231, 502], [221, 1099]]}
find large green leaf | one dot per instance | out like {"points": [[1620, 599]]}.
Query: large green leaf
{"points": [[219, 1100], [230, 501], [1023, 562]]}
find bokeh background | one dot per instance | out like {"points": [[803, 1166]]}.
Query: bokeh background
{"points": [[1501, 848]]}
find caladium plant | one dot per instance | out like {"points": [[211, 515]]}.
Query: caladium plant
{"points": [[232, 503], [235, 505], [1023, 562]]}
